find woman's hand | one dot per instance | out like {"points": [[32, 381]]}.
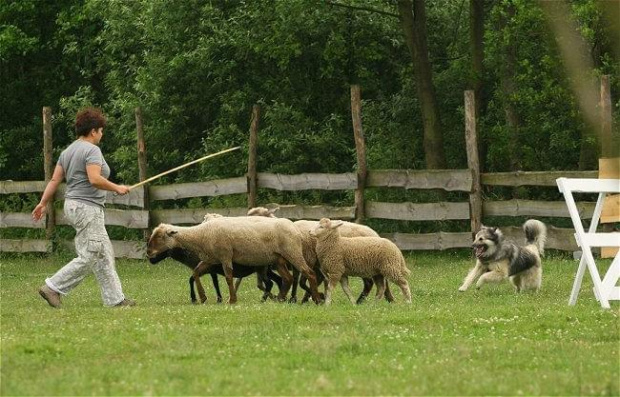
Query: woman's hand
{"points": [[122, 189], [39, 211]]}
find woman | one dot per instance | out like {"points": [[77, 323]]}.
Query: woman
{"points": [[86, 172]]}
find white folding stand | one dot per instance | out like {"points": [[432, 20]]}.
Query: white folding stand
{"points": [[606, 289]]}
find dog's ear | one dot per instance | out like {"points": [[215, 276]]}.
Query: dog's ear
{"points": [[498, 234]]}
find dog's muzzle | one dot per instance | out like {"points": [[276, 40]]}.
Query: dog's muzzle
{"points": [[479, 249]]}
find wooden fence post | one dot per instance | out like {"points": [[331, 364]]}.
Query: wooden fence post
{"points": [[252, 175], [360, 149], [48, 166], [473, 163], [608, 148], [142, 166]]}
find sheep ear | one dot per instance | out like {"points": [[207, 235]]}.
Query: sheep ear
{"points": [[172, 232], [274, 210]]}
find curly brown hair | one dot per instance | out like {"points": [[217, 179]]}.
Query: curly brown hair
{"points": [[87, 119]]}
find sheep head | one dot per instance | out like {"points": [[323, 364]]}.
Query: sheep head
{"points": [[161, 240], [262, 211], [211, 215], [325, 227]]}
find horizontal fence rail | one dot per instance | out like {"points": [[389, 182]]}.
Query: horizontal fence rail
{"points": [[31, 245], [191, 216], [449, 180], [553, 209], [219, 187], [283, 182], [20, 219], [9, 187], [417, 211], [532, 178], [430, 241]]}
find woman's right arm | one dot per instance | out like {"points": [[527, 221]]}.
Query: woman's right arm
{"points": [[97, 180], [48, 193]]}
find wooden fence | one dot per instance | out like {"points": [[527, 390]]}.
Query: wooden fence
{"points": [[140, 216]]}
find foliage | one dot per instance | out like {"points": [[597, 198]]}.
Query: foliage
{"points": [[196, 70], [491, 342]]}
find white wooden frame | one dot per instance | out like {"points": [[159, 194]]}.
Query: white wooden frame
{"points": [[605, 289]]}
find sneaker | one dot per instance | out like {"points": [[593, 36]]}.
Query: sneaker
{"points": [[126, 302], [52, 297]]}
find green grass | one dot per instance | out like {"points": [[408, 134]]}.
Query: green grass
{"points": [[446, 343]]}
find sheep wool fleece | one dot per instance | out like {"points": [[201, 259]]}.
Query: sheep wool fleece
{"points": [[95, 253]]}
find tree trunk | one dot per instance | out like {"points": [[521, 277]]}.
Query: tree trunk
{"points": [[513, 120], [476, 40], [413, 21]]}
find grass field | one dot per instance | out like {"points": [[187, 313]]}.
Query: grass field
{"points": [[446, 343]]}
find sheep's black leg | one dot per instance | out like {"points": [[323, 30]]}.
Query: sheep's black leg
{"points": [[319, 279], [293, 298], [309, 274], [368, 283], [192, 293], [274, 277], [216, 286], [264, 284], [260, 281]]}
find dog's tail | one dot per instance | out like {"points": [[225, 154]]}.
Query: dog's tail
{"points": [[536, 234]]}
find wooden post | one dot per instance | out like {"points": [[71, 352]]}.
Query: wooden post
{"points": [[608, 148], [48, 166], [142, 166], [473, 163], [252, 175], [360, 148], [609, 168]]}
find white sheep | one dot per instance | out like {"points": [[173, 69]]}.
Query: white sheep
{"points": [[211, 215], [371, 257], [262, 211], [251, 241], [347, 229]]}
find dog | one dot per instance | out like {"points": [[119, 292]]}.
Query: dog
{"points": [[498, 259]]}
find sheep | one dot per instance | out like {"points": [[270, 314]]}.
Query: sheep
{"points": [[374, 257], [250, 241], [262, 211], [266, 276], [270, 213], [348, 229]]}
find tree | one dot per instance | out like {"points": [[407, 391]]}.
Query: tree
{"points": [[509, 89], [476, 43], [413, 22]]}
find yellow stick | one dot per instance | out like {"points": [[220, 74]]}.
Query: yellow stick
{"points": [[182, 166]]}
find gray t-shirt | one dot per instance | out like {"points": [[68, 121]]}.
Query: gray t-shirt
{"points": [[73, 161]]}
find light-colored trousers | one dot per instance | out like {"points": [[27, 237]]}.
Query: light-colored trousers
{"points": [[95, 254]]}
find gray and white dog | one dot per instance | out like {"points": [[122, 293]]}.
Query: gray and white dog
{"points": [[498, 259]]}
